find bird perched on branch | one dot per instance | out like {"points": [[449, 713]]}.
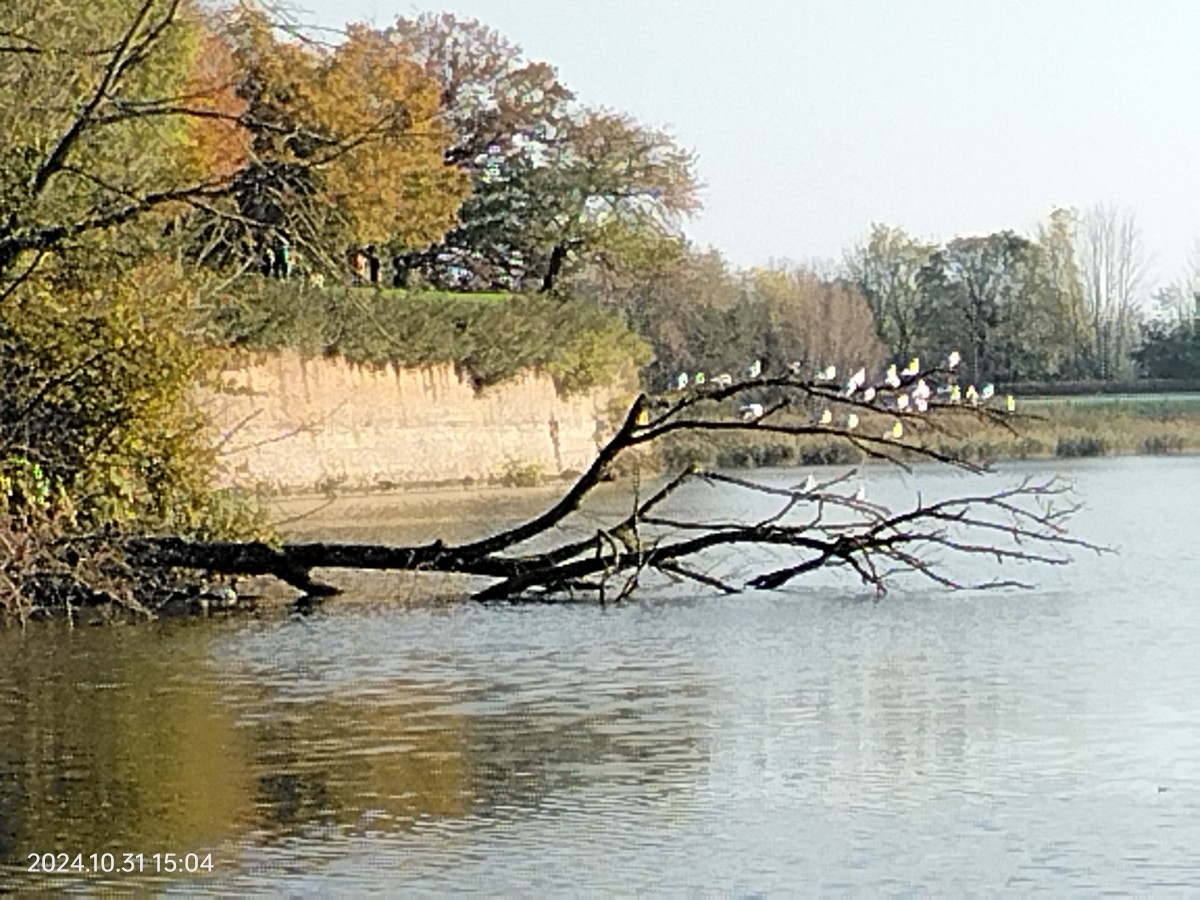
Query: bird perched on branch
{"points": [[826, 418], [829, 373], [755, 369], [891, 379], [751, 411], [808, 486], [681, 381]]}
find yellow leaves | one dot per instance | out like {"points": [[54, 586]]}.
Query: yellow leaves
{"points": [[391, 177], [363, 116]]}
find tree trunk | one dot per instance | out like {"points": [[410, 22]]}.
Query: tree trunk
{"points": [[558, 256]]}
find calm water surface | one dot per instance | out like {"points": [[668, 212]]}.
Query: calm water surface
{"points": [[813, 740]]}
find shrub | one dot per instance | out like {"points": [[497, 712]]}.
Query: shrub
{"points": [[490, 336], [518, 473], [1163, 443], [1081, 446]]}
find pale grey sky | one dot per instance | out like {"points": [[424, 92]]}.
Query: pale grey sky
{"points": [[813, 119]]}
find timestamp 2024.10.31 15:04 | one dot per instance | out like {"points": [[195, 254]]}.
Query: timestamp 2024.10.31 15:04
{"points": [[115, 863]]}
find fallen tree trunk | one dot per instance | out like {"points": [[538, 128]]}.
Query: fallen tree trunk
{"points": [[811, 526]]}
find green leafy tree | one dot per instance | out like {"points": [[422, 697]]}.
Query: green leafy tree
{"points": [[979, 294], [886, 270]]}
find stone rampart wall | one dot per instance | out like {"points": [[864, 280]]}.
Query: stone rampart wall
{"points": [[296, 424]]}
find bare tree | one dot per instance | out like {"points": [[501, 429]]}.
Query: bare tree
{"points": [[1113, 262]]}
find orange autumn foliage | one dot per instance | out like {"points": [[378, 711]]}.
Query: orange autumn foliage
{"points": [[217, 142], [366, 118]]}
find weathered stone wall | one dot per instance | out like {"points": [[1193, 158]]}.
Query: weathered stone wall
{"points": [[295, 424]]}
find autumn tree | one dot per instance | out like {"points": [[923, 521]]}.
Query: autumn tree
{"points": [[1061, 328], [1169, 345], [346, 145], [681, 299], [127, 130], [554, 186], [100, 329], [818, 322], [87, 141]]}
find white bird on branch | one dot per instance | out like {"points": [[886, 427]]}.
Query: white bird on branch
{"points": [[868, 395], [987, 392], [796, 368], [895, 433], [681, 381], [851, 421], [755, 369], [860, 495], [826, 417], [699, 379], [1010, 403], [857, 380], [829, 373], [891, 379], [751, 411], [901, 402], [921, 391], [723, 380], [954, 359], [955, 394], [913, 369], [809, 485], [972, 395]]}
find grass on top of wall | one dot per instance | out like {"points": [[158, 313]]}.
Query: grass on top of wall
{"points": [[491, 336]]}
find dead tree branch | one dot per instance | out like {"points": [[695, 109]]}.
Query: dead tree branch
{"points": [[805, 527]]}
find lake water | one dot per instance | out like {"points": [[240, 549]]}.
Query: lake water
{"points": [[815, 740]]}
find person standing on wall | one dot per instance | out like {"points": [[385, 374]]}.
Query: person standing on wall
{"points": [[283, 258], [373, 263]]}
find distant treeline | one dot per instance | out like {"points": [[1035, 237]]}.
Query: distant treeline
{"points": [[1069, 304]]}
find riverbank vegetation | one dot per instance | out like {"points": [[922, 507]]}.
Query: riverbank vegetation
{"points": [[490, 337]]}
